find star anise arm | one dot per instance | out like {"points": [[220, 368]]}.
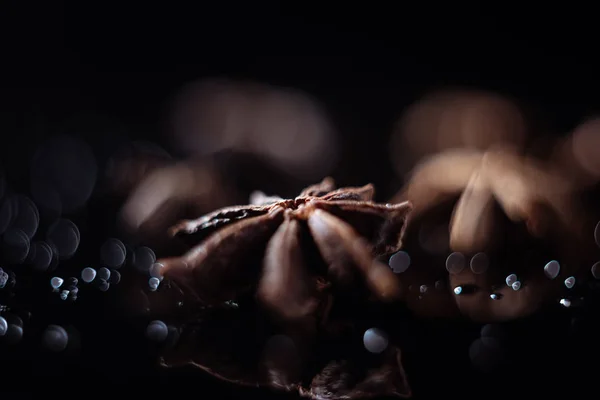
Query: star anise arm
{"points": [[193, 231], [383, 225], [542, 198], [325, 186], [521, 186], [364, 193], [439, 178], [473, 217], [227, 262], [285, 286], [341, 247]]}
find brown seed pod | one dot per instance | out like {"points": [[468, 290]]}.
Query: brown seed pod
{"points": [[283, 263]]}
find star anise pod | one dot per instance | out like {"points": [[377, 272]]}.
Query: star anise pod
{"points": [[346, 226], [282, 263]]}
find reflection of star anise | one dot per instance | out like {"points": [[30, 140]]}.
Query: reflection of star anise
{"points": [[293, 254]]}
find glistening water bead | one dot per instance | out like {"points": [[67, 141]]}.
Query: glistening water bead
{"points": [[103, 285], [496, 296], [14, 334], [552, 269], [512, 278], [455, 263], [55, 338], [56, 282], [115, 277], [565, 303], [570, 282], [596, 270], [423, 288], [516, 286], [153, 283], [144, 258], [157, 331], [479, 263], [375, 340], [155, 270], [113, 253], [458, 290], [399, 262], [72, 281], [88, 274], [103, 273], [3, 326], [3, 279]]}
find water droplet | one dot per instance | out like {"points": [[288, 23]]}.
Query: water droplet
{"points": [[113, 253], [458, 290], [552, 269], [3, 326], [15, 246], [570, 282], [399, 262], [73, 294], [64, 294], [144, 258], [155, 270], [3, 279], [231, 303], [56, 282], [455, 263], [14, 334], [565, 302], [423, 289], [55, 338], [516, 285], [439, 285], [88, 274], [157, 331], [153, 283], [596, 270], [41, 256], [512, 278], [115, 277], [103, 273], [103, 285], [496, 296], [375, 340], [65, 237], [597, 233], [479, 263], [72, 281]]}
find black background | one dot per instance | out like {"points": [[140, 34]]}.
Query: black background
{"points": [[366, 63]]}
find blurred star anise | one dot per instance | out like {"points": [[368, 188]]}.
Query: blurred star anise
{"points": [[516, 211], [282, 263]]}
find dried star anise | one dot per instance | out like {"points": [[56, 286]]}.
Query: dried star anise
{"points": [[283, 263]]}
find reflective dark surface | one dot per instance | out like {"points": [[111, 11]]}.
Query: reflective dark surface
{"points": [[83, 85]]}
